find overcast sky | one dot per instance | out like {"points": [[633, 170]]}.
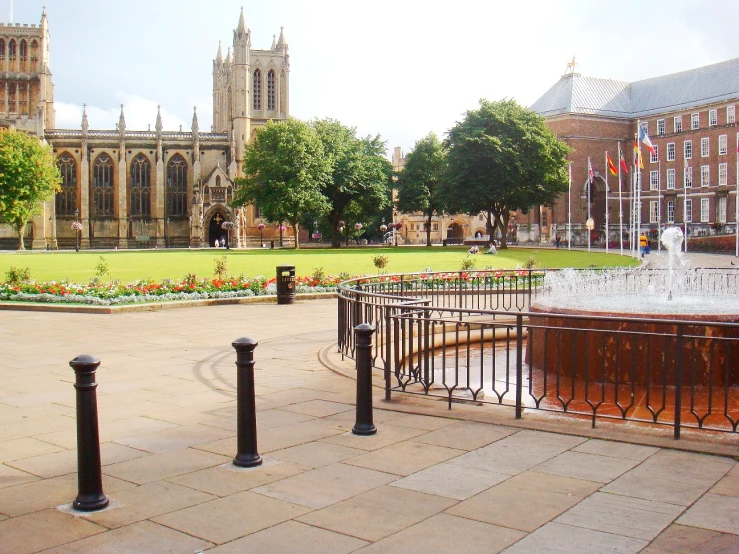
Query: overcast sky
{"points": [[398, 68]]}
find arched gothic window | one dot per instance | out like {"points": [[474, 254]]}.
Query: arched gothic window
{"points": [[34, 56], [177, 186], [66, 199], [2, 49], [257, 90], [24, 56], [140, 186], [11, 97], [271, 89], [102, 186], [218, 180], [11, 55]]}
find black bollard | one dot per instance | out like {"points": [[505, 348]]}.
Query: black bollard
{"points": [[90, 496], [363, 340], [247, 455]]}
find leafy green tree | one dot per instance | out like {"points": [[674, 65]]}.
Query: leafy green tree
{"points": [[502, 158], [285, 169], [359, 173], [420, 184], [28, 177]]}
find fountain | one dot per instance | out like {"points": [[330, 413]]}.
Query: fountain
{"points": [[627, 320]]}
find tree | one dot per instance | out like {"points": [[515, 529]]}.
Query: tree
{"points": [[359, 173], [28, 177], [502, 157], [420, 183], [284, 170]]}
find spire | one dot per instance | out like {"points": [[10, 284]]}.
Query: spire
{"points": [[44, 21], [281, 43], [158, 126], [241, 28], [122, 122], [85, 125], [219, 56], [195, 127], [228, 56], [274, 42]]}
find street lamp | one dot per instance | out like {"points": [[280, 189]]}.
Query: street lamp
{"points": [[261, 234], [166, 232], [227, 226], [77, 226]]}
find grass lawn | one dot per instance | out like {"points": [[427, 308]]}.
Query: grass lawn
{"points": [[128, 266]]}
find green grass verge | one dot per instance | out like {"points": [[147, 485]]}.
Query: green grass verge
{"points": [[129, 266]]}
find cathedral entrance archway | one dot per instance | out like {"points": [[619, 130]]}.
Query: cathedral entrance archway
{"points": [[215, 218]]}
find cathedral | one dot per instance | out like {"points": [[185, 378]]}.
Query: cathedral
{"points": [[145, 188]]}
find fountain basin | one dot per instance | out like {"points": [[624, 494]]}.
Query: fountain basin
{"points": [[635, 348]]}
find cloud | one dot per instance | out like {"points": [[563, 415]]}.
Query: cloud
{"points": [[140, 113]]}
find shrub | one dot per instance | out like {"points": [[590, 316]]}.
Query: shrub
{"points": [[191, 279], [221, 268], [17, 275], [102, 269], [380, 261], [531, 263], [318, 274], [468, 263]]}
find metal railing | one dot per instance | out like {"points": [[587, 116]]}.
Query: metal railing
{"points": [[470, 336]]}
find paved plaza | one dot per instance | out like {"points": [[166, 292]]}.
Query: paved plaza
{"points": [[470, 479]]}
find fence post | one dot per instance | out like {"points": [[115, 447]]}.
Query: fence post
{"points": [[363, 341], [519, 365], [678, 380], [246, 434], [388, 352], [90, 496]]}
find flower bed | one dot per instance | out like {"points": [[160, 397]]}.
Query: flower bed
{"points": [[110, 294]]}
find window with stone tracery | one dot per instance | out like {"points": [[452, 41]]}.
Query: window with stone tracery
{"points": [[102, 186], [140, 186], [2, 49], [23, 99], [11, 50], [34, 56], [24, 56], [177, 186], [257, 90], [271, 90], [11, 97], [66, 198]]}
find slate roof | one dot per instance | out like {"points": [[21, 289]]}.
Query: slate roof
{"points": [[575, 93]]}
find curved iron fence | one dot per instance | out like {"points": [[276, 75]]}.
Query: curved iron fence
{"points": [[471, 336]]}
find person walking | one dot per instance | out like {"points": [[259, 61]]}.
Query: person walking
{"points": [[643, 243]]}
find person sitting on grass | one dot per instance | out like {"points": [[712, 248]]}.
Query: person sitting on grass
{"points": [[492, 249], [474, 249]]}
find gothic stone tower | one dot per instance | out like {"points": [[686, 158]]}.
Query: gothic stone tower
{"points": [[26, 92]]}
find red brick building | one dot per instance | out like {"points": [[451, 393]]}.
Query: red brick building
{"points": [[691, 181]]}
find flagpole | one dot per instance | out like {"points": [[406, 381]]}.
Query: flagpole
{"points": [[639, 181], [569, 211], [621, 205], [590, 184], [607, 171], [685, 203], [736, 200], [659, 204]]}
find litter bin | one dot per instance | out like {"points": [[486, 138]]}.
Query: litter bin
{"points": [[285, 284]]}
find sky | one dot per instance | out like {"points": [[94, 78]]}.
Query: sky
{"points": [[400, 69]]}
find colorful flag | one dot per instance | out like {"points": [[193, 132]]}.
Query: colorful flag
{"points": [[644, 137], [623, 161], [638, 160], [590, 172], [611, 167]]}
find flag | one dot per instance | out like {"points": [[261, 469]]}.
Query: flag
{"points": [[638, 160], [590, 172], [611, 167], [623, 161], [644, 137]]}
